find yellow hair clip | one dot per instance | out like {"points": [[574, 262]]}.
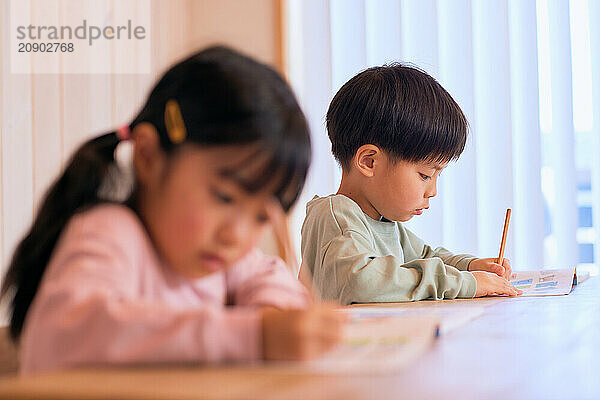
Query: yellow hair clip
{"points": [[174, 122]]}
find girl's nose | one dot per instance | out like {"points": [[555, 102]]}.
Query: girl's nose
{"points": [[233, 230]]}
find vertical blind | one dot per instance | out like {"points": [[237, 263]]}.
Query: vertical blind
{"points": [[511, 67]]}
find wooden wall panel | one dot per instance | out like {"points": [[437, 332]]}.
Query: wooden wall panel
{"points": [[46, 118], [17, 148], [253, 26]]}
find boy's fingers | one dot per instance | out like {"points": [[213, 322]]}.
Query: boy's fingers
{"points": [[512, 290], [499, 270]]}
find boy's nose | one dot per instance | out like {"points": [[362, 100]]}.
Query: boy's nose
{"points": [[431, 190]]}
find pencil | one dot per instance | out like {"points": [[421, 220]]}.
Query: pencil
{"points": [[504, 233]]}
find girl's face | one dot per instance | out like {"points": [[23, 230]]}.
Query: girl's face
{"points": [[200, 221]]}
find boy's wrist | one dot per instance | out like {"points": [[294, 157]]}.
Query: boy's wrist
{"points": [[469, 264], [469, 286]]}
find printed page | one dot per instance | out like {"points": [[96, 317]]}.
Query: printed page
{"points": [[450, 316], [547, 282], [582, 276]]}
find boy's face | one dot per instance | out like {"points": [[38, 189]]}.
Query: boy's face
{"points": [[402, 189]]}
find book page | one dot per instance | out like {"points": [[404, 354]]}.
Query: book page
{"points": [[546, 282], [449, 316]]}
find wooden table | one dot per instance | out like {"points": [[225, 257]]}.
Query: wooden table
{"points": [[520, 348]]}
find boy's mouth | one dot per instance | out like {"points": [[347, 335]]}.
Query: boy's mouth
{"points": [[419, 211]]}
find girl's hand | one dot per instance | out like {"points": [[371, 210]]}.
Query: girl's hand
{"points": [[489, 284], [491, 265], [301, 334]]}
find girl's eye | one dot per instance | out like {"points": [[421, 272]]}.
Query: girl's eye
{"points": [[222, 197], [424, 177], [262, 218]]}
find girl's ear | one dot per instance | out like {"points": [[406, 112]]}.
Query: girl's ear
{"points": [[366, 158], [149, 159]]}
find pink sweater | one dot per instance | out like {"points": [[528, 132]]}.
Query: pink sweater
{"points": [[106, 298]]}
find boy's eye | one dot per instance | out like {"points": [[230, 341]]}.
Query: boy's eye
{"points": [[424, 177]]}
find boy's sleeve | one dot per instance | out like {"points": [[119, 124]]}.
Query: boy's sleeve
{"points": [[263, 280], [459, 261], [354, 274]]}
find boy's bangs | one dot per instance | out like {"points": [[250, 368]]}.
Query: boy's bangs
{"points": [[441, 145], [280, 172]]}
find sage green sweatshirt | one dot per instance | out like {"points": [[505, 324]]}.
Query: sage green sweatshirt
{"points": [[355, 259]]}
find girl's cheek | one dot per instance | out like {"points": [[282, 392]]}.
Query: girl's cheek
{"points": [[194, 222]]}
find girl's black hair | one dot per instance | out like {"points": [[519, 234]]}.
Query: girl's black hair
{"points": [[225, 98], [400, 109]]}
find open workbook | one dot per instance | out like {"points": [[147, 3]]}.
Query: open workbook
{"points": [[385, 338], [372, 345], [547, 282]]}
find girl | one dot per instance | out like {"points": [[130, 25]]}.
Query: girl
{"points": [[139, 270]]}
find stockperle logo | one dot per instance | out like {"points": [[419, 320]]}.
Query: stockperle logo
{"points": [[85, 31], [80, 36]]}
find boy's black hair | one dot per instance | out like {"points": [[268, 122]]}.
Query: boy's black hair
{"points": [[400, 109], [224, 98]]}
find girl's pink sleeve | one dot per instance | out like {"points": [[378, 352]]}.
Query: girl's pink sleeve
{"points": [[87, 313], [264, 280]]}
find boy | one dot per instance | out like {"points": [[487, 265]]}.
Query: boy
{"points": [[393, 129]]}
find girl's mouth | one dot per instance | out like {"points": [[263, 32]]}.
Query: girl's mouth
{"points": [[212, 262]]}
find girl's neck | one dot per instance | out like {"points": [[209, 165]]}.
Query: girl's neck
{"points": [[354, 190]]}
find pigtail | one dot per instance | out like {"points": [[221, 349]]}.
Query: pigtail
{"points": [[76, 189]]}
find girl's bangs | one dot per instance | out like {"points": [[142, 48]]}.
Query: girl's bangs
{"points": [[281, 172]]}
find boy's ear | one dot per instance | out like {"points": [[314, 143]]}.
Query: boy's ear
{"points": [[366, 158], [149, 159]]}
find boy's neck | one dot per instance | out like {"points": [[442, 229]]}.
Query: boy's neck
{"points": [[354, 190]]}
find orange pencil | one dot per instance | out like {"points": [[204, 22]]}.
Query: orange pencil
{"points": [[504, 233]]}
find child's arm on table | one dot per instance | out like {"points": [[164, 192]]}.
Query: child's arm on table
{"points": [[353, 272], [309, 332], [491, 265], [83, 320], [463, 262]]}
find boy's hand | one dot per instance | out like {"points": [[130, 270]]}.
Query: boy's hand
{"points": [[491, 265], [301, 334], [489, 284]]}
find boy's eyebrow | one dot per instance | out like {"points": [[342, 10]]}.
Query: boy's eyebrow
{"points": [[436, 166]]}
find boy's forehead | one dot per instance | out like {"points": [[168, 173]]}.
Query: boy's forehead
{"points": [[438, 166]]}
